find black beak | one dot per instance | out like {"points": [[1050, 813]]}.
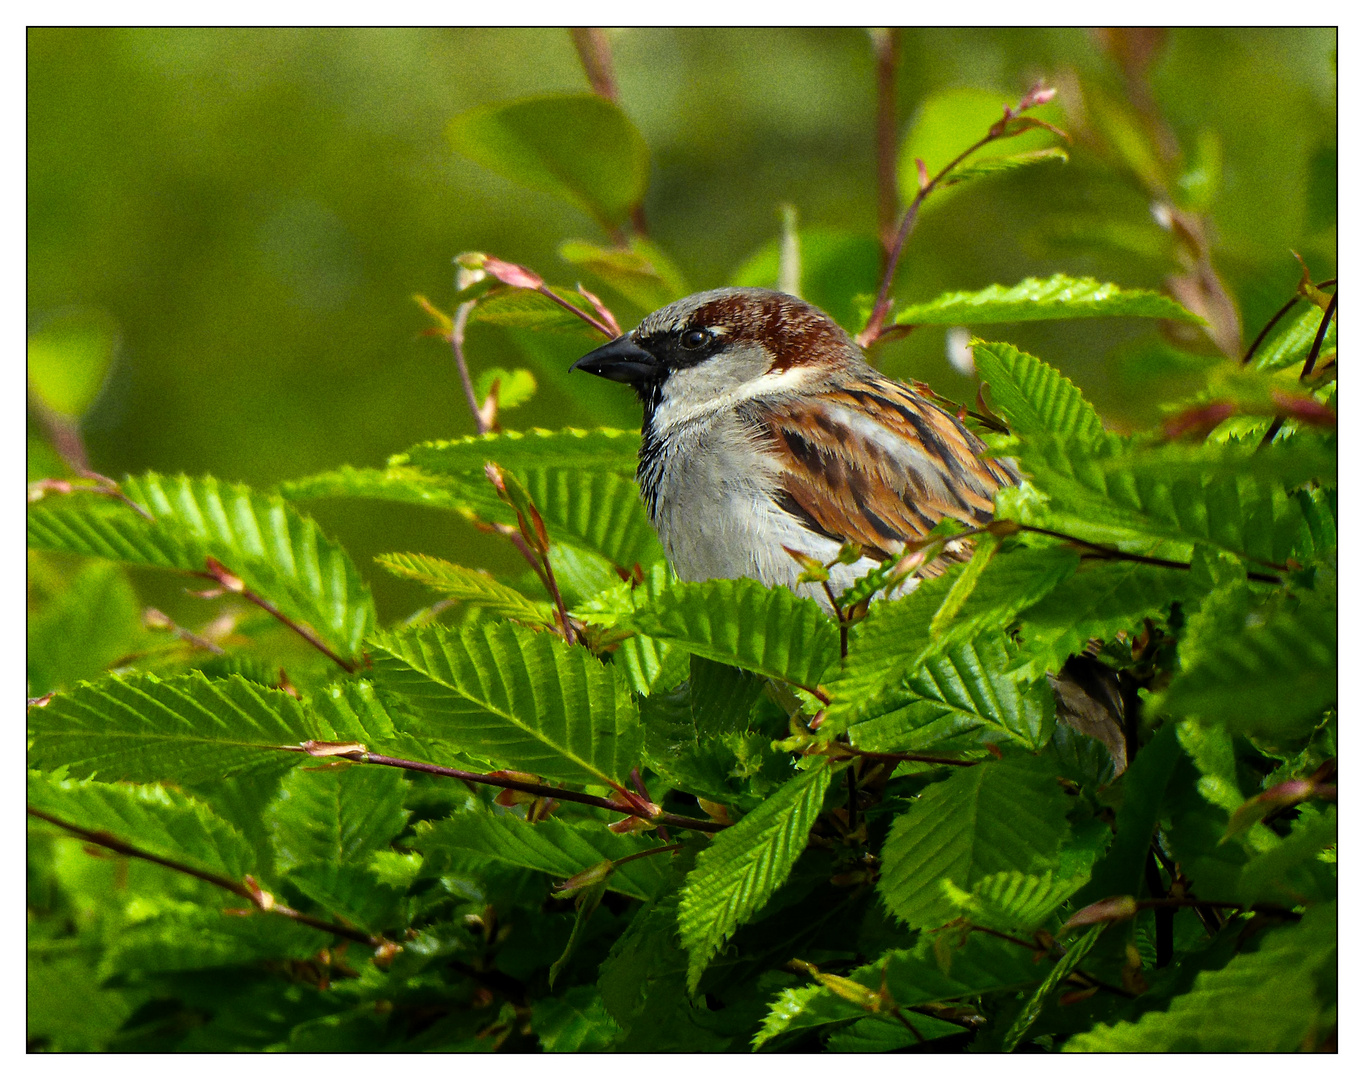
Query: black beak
{"points": [[620, 361]]}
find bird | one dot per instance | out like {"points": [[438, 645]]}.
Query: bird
{"points": [[768, 441]]}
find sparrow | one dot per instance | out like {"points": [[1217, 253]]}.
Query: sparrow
{"points": [[767, 434]]}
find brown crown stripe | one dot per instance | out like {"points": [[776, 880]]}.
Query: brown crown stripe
{"points": [[792, 331]]}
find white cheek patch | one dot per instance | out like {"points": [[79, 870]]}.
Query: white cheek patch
{"points": [[721, 383]]}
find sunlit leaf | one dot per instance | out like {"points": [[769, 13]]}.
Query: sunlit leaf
{"points": [[1058, 297]]}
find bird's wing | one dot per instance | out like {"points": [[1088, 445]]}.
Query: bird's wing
{"points": [[873, 462]]}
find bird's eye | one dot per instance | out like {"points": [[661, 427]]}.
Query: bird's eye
{"points": [[695, 339]]}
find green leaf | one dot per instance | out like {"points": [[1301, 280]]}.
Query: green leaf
{"points": [[948, 122], [1013, 900], [1076, 488], [983, 820], [557, 847], [165, 823], [1032, 395], [275, 550], [342, 814], [966, 582], [194, 939], [86, 627], [187, 728], [528, 309], [1063, 967], [1266, 1001], [722, 697], [603, 449], [980, 168], [911, 977], [836, 267], [1293, 872], [513, 387], [68, 358], [401, 484], [574, 1022], [1100, 600], [50, 1021], [746, 625], [1032, 300], [578, 147], [1271, 679], [968, 689], [641, 273], [523, 700], [1290, 346], [475, 586], [894, 641], [352, 891], [744, 865]]}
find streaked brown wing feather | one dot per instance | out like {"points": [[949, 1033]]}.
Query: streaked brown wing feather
{"points": [[873, 462]]}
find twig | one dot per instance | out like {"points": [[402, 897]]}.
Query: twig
{"points": [[999, 130], [594, 50], [1260, 337], [1321, 336], [886, 46], [364, 757], [457, 347], [606, 331], [216, 571], [872, 755], [645, 854], [1148, 560], [638, 781], [258, 898]]}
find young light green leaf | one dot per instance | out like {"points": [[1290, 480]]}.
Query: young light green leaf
{"points": [[1059, 297], [528, 309], [1062, 968], [473, 586], [968, 689], [186, 728], [985, 549], [603, 449], [642, 273], [161, 822], [553, 846], [1032, 395], [744, 865], [744, 624], [523, 700], [1271, 680], [513, 387], [1267, 1000], [980, 168], [89, 625], [1292, 344], [276, 551], [579, 147], [1292, 872], [994, 817]]}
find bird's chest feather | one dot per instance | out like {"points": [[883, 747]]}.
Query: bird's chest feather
{"points": [[711, 488]]}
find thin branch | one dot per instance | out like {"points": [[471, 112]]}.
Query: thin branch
{"points": [[216, 571], [645, 854], [457, 347], [1260, 337], [1149, 560], [886, 46], [596, 324], [872, 755], [999, 130], [259, 899], [364, 757], [1321, 336]]}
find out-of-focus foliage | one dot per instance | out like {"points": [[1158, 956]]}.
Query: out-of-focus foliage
{"points": [[872, 831]]}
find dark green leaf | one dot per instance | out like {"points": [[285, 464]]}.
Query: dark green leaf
{"points": [[1265, 1001], [340, 814], [575, 1022], [744, 865], [990, 818]]}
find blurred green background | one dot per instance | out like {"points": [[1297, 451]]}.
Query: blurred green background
{"points": [[238, 219]]}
